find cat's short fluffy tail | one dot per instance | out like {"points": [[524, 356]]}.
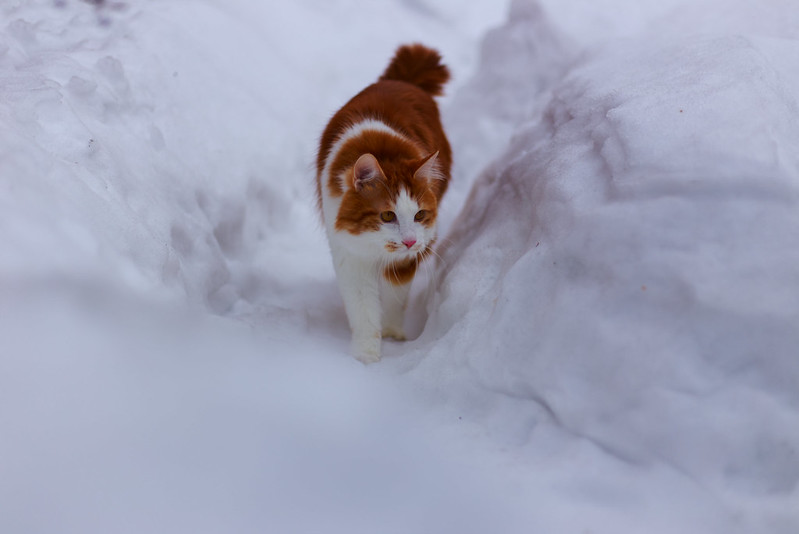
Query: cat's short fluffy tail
{"points": [[420, 66]]}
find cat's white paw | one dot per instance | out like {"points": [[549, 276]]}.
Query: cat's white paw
{"points": [[366, 350], [394, 332]]}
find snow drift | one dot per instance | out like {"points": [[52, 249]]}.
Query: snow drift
{"points": [[637, 251]]}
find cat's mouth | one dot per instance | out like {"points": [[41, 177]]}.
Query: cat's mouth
{"points": [[394, 247]]}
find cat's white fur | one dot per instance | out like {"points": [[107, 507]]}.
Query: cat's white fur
{"points": [[374, 306]]}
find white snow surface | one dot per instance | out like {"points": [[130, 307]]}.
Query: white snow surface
{"points": [[608, 341]]}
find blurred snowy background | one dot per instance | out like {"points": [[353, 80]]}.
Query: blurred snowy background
{"points": [[608, 344]]}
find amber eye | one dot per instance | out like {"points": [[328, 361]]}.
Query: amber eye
{"points": [[421, 214], [388, 216]]}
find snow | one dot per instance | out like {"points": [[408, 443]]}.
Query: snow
{"points": [[607, 342]]}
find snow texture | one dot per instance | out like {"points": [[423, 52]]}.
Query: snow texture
{"points": [[607, 341]]}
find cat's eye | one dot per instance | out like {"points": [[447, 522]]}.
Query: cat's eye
{"points": [[388, 216], [421, 214]]}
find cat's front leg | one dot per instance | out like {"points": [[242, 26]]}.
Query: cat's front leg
{"points": [[394, 299], [359, 288]]}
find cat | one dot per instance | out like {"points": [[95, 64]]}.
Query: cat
{"points": [[383, 165]]}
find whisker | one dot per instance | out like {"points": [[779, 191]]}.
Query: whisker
{"points": [[439, 259]]}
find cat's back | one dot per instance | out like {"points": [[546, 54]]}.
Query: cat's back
{"points": [[402, 101]]}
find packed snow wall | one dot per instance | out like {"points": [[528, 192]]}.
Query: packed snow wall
{"points": [[626, 271]]}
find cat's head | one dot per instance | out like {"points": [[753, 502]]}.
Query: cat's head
{"points": [[391, 206]]}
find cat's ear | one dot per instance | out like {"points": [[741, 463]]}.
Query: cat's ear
{"points": [[365, 170], [429, 169]]}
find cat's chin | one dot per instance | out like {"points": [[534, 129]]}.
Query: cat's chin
{"points": [[407, 253]]}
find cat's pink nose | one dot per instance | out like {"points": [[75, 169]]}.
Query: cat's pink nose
{"points": [[409, 242]]}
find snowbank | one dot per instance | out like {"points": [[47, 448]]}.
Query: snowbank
{"points": [[624, 275]]}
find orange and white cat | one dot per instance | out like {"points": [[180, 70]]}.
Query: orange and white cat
{"points": [[382, 168]]}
